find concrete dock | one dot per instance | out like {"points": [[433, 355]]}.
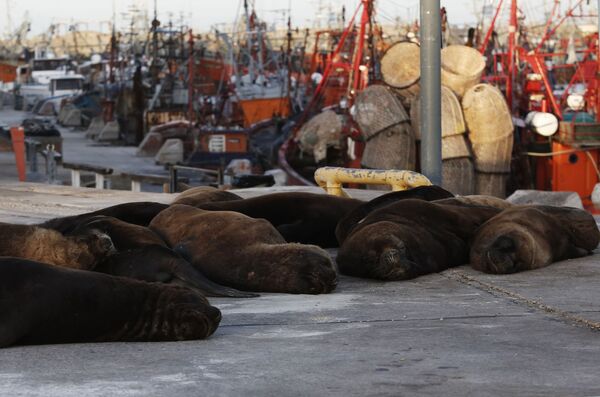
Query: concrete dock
{"points": [[458, 333]]}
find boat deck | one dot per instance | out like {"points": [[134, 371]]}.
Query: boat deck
{"points": [[457, 333]]}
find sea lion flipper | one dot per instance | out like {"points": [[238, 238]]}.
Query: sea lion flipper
{"points": [[191, 277]]}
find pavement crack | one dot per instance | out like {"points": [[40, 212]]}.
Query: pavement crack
{"points": [[375, 321], [495, 290]]}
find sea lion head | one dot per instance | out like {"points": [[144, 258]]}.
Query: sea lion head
{"points": [[305, 269], [505, 251], [381, 251], [98, 244], [187, 315]]}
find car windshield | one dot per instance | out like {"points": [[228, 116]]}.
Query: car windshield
{"points": [[68, 84], [48, 64]]}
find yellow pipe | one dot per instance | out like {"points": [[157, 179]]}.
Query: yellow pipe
{"points": [[332, 178]]}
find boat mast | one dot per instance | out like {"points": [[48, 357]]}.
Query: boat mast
{"points": [[488, 35], [365, 18], [249, 42], [512, 35]]}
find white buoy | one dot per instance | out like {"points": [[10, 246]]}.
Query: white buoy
{"points": [[544, 124], [576, 102]]}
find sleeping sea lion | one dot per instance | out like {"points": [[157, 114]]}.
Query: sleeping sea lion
{"points": [[351, 219], [81, 251], [41, 304], [143, 255], [411, 238], [530, 237], [137, 213], [204, 194], [244, 253], [305, 218]]}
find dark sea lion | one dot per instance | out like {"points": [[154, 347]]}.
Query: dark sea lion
{"points": [[411, 238], [137, 213], [143, 255], [81, 251], [42, 304], [350, 220], [531, 237], [244, 253], [204, 194], [305, 218]]}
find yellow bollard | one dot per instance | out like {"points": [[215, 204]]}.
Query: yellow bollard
{"points": [[332, 178]]}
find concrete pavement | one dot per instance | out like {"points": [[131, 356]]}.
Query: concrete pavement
{"points": [[458, 333]]}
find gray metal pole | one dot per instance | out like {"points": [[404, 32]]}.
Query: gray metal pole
{"points": [[431, 91]]}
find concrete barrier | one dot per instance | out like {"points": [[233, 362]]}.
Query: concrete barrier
{"points": [[110, 132], [95, 128], [538, 197], [171, 152], [72, 118]]}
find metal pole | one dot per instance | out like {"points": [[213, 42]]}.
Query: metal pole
{"points": [[598, 63], [431, 91], [173, 179]]}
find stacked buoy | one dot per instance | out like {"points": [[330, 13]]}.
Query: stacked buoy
{"points": [[385, 126], [477, 128], [491, 133]]}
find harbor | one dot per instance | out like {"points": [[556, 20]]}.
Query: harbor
{"points": [[430, 214]]}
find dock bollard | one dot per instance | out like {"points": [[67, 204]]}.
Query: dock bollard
{"points": [[332, 178], [17, 135], [50, 164]]}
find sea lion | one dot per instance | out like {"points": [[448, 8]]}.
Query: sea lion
{"points": [[305, 218], [411, 238], [143, 255], [531, 237], [81, 251], [244, 253], [353, 218], [204, 194], [42, 304], [137, 213]]}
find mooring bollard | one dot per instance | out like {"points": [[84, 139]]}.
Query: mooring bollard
{"points": [[32, 149], [50, 164]]}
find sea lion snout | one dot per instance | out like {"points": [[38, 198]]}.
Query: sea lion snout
{"points": [[500, 258], [106, 243], [394, 261]]}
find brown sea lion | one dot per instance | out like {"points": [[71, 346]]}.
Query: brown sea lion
{"points": [[353, 218], [305, 218], [204, 194], [137, 213], [244, 253], [82, 251], [530, 237], [41, 304], [411, 238], [143, 255]]}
